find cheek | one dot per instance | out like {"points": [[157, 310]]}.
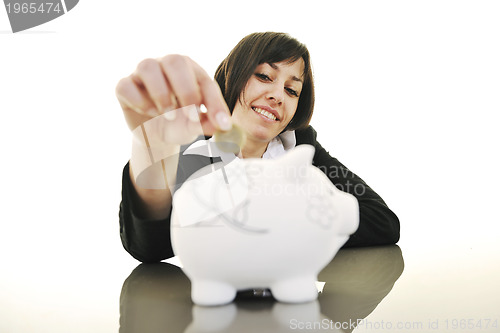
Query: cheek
{"points": [[292, 108], [252, 90]]}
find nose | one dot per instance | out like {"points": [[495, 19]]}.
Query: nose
{"points": [[276, 93]]}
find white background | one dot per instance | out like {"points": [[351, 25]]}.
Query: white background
{"points": [[407, 93]]}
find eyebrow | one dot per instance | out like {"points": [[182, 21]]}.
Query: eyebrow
{"points": [[294, 78]]}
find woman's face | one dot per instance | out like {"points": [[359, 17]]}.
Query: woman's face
{"points": [[269, 100]]}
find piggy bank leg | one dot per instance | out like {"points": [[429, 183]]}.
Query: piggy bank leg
{"points": [[295, 290], [207, 293]]}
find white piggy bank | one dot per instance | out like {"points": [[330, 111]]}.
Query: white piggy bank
{"points": [[256, 223]]}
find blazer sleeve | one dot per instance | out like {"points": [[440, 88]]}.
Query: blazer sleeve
{"points": [[146, 240], [378, 225], [149, 240]]}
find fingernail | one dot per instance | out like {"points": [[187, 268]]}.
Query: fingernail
{"points": [[169, 114], [224, 121]]}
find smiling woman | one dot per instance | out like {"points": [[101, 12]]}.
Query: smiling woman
{"points": [[263, 55], [268, 104], [265, 87]]}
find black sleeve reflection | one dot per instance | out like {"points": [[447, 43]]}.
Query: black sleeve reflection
{"points": [[357, 280], [156, 298]]}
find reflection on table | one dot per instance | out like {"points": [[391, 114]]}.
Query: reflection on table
{"points": [[156, 298]]}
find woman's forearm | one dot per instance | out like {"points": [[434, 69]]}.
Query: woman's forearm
{"points": [[155, 202]]}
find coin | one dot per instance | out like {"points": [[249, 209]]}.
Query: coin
{"points": [[230, 141]]}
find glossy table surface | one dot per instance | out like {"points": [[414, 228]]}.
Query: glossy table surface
{"points": [[155, 298], [362, 290], [369, 289]]}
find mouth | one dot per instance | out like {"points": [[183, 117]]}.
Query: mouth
{"points": [[265, 113]]}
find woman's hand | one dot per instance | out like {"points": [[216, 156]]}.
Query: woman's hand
{"points": [[173, 86], [161, 102]]}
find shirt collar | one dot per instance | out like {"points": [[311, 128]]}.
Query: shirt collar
{"points": [[277, 147], [280, 145]]}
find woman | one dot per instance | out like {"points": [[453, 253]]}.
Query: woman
{"points": [[265, 86]]}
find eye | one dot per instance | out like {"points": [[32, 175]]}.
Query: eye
{"points": [[262, 76], [292, 92]]}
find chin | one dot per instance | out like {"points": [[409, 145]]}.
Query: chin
{"points": [[262, 134]]}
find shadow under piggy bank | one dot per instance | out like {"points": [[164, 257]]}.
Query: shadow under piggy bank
{"points": [[156, 298]]}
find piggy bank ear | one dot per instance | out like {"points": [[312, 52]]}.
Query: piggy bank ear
{"points": [[295, 164], [301, 155]]}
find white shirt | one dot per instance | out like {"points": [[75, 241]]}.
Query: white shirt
{"points": [[276, 147], [280, 145]]}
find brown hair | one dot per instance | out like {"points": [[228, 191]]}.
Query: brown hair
{"points": [[266, 47]]}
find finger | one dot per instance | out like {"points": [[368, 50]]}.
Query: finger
{"points": [[182, 79], [133, 97], [150, 74], [207, 126], [212, 98]]}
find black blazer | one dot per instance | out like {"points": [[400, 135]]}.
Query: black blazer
{"points": [[149, 240]]}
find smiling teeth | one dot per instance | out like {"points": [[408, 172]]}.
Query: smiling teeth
{"points": [[265, 113]]}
